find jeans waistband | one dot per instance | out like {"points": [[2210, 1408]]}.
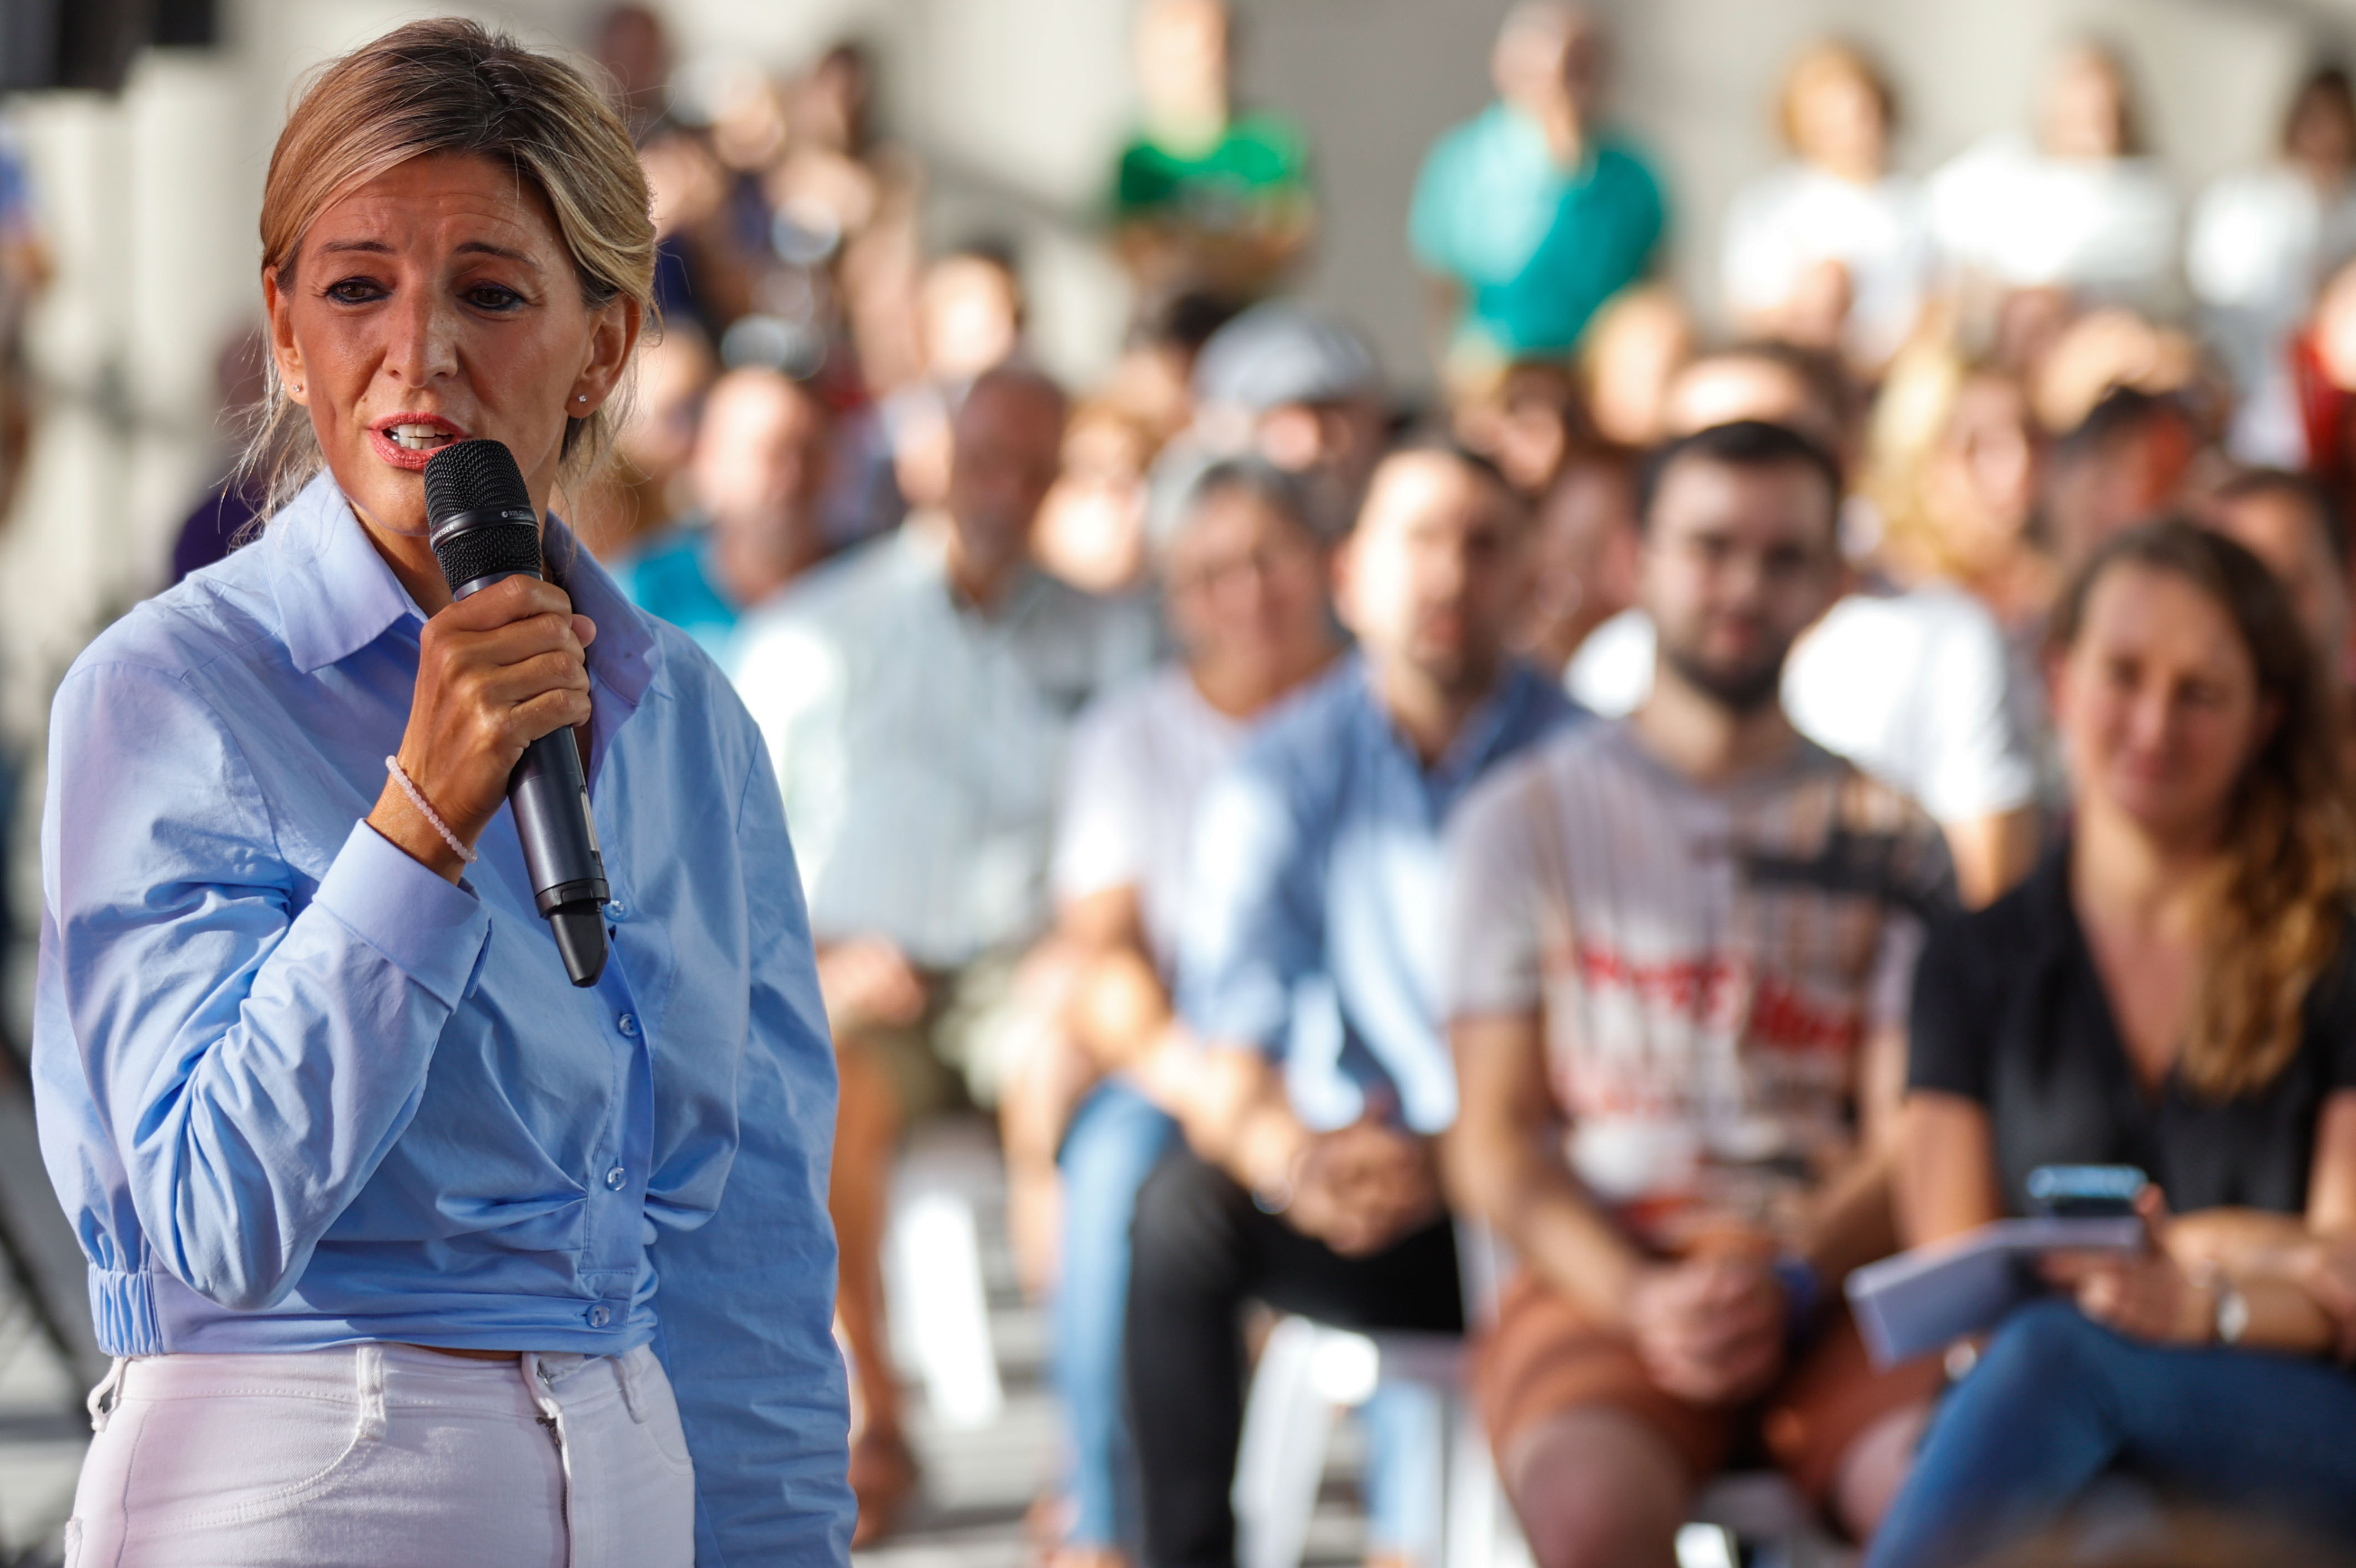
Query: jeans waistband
{"points": [[390, 1374]]}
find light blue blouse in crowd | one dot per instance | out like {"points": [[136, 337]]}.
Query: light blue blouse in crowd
{"points": [[296, 1090]]}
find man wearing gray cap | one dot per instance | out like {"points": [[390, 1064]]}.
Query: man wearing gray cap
{"points": [[1294, 387]]}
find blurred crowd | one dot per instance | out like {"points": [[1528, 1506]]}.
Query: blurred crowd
{"points": [[1179, 764]]}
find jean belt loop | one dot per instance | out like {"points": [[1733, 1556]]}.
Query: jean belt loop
{"points": [[633, 1393], [107, 1395], [368, 1370]]}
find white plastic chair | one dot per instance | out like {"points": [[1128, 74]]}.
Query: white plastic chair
{"points": [[1308, 1374], [939, 1307]]}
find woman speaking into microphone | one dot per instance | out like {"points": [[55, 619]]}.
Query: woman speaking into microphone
{"points": [[408, 1252]]}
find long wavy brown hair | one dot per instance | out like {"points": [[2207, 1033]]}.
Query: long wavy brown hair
{"points": [[2282, 895]]}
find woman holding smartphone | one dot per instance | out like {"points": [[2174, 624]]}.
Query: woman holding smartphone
{"points": [[2174, 989]]}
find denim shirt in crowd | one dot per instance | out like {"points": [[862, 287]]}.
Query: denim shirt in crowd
{"points": [[1315, 932], [296, 1090]]}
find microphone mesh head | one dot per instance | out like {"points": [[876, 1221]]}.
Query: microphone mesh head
{"points": [[472, 476], [478, 480], [504, 548]]}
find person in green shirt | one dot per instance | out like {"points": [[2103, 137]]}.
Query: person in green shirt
{"points": [[1204, 198], [1528, 215]]}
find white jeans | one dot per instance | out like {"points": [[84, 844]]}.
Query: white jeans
{"points": [[384, 1456]]}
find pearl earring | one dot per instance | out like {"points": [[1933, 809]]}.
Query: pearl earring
{"points": [[583, 398]]}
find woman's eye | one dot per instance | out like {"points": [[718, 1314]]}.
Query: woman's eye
{"points": [[492, 297], [355, 291]]}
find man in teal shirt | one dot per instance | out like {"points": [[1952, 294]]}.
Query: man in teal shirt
{"points": [[1530, 215]]}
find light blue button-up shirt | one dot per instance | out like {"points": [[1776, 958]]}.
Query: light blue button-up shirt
{"points": [[296, 1090], [1315, 930]]}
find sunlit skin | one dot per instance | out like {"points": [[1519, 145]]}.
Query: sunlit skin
{"points": [[2087, 109], [761, 467], [1838, 122], [1182, 72], [1247, 599], [1737, 562], [2157, 707], [1007, 448], [1432, 581], [1983, 476], [1548, 63], [441, 295]]}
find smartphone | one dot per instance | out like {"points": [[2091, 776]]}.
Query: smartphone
{"points": [[2090, 1192]]}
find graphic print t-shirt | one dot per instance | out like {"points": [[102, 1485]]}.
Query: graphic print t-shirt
{"points": [[1709, 962]]}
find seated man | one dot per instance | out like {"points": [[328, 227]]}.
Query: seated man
{"points": [[916, 694], [1689, 935], [1245, 578], [1913, 685], [759, 471], [1307, 966]]}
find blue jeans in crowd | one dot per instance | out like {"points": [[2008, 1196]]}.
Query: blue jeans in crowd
{"points": [[1111, 1146], [2057, 1401]]}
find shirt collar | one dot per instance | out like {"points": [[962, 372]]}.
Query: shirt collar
{"points": [[335, 594], [627, 655], [1488, 729]]}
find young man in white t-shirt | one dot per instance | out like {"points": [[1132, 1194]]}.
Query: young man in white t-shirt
{"points": [[1681, 949], [1915, 686]]}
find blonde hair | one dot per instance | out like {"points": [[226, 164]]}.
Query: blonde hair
{"points": [[449, 86], [1830, 57]]}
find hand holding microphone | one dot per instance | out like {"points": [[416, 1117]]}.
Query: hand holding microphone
{"points": [[501, 681], [495, 672]]}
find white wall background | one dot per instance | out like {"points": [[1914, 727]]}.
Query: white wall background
{"points": [[1017, 105]]}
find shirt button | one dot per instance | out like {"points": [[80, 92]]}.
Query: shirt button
{"points": [[615, 909], [629, 1025], [600, 1316], [615, 1177]]}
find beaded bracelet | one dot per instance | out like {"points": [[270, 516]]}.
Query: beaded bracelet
{"points": [[417, 799]]}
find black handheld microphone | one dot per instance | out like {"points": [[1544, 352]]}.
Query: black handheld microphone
{"points": [[484, 530]]}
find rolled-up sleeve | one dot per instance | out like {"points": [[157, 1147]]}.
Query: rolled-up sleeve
{"points": [[746, 1299], [253, 1051]]}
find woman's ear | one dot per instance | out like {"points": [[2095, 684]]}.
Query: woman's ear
{"points": [[286, 352], [612, 337]]}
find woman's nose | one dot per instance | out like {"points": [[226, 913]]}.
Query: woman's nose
{"points": [[2151, 719], [423, 345]]}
